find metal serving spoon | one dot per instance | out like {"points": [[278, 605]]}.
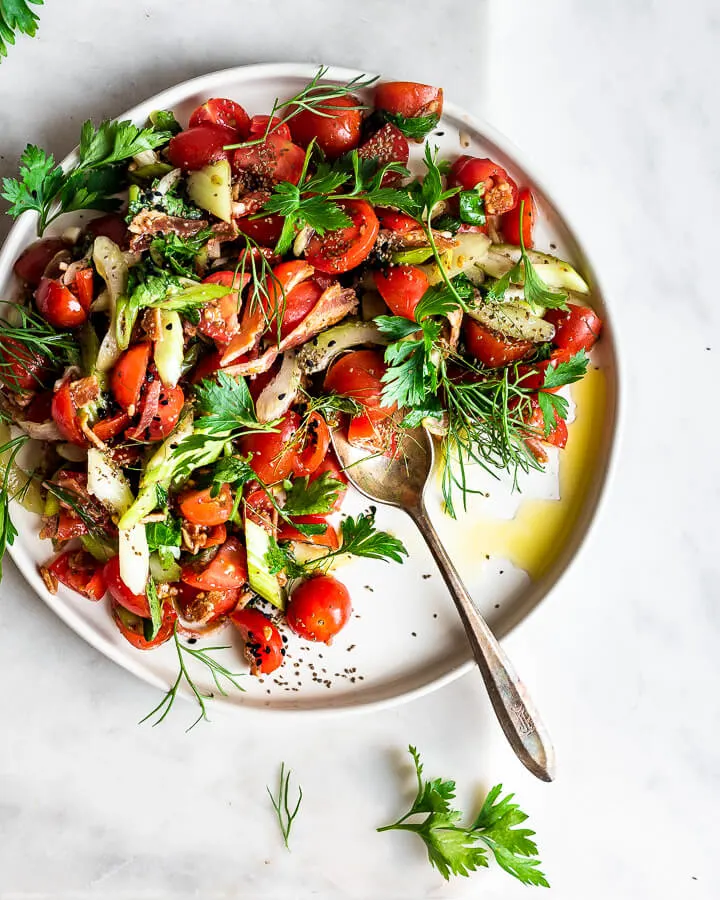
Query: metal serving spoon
{"points": [[401, 482]]}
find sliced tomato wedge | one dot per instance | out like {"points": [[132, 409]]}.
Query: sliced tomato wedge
{"points": [[128, 375], [409, 98], [263, 643], [387, 145], [344, 249], [121, 593], [226, 571], [315, 446], [80, 571], [510, 222], [402, 288], [200, 508], [490, 347]]}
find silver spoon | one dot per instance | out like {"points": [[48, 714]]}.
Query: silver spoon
{"points": [[401, 482]]}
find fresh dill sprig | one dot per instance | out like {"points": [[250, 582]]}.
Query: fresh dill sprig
{"points": [[8, 454], [24, 334], [79, 505], [281, 804]]}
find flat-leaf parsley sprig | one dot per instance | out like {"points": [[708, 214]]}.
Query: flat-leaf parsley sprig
{"points": [[455, 849], [16, 16]]}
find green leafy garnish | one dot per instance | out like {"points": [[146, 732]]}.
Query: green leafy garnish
{"points": [[165, 539], [25, 334], [45, 188], [16, 16], [307, 498], [455, 849], [153, 624], [472, 208], [169, 202], [8, 454], [553, 406], [164, 120], [179, 254], [413, 127], [281, 805]]}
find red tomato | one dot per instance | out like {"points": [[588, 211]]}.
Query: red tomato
{"points": [[289, 290], [315, 446], [396, 221], [110, 427], [358, 375], [263, 644], [535, 421], [387, 145], [372, 432], [257, 383], [196, 147], [490, 347], [204, 606], [335, 132], [219, 318], [65, 413], [277, 159], [265, 230], [40, 409], [319, 608], [259, 126], [59, 306], [576, 328], [491, 180], [226, 571], [132, 627], [69, 526], [121, 593], [208, 365], [111, 226], [298, 303], [170, 405], [20, 368], [83, 287], [342, 250], [273, 453], [330, 464], [215, 536], [80, 571], [409, 99], [510, 223], [329, 538], [198, 507], [402, 288], [128, 375], [32, 262], [223, 112]]}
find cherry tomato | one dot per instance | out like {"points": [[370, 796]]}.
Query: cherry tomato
{"points": [[263, 644], [215, 536], [32, 262], [288, 290], [358, 375], [319, 608], [208, 365], [497, 188], [491, 348], [533, 374], [372, 432], [298, 303], [510, 222], [204, 606], [132, 626], [402, 288], [259, 126], [121, 593], [265, 230], [111, 226], [65, 413], [59, 306], [276, 159], [110, 427], [335, 132], [536, 423], [170, 405], [409, 99], [219, 318], [273, 453], [396, 221], [226, 571], [69, 526], [80, 571], [576, 328], [128, 375], [20, 368], [329, 538], [227, 113], [330, 464], [199, 507], [342, 250], [196, 147], [315, 447], [387, 145]]}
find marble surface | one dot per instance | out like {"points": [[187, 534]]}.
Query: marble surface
{"points": [[616, 104]]}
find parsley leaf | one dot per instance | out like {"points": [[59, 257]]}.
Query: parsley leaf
{"points": [[170, 251], [233, 470], [169, 201], [472, 208], [164, 120], [306, 498], [413, 127], [552, 408], [165, 539], [16, 15], [567, 372]]}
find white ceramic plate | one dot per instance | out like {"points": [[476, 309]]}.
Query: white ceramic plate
{"points": [[404, 638]]}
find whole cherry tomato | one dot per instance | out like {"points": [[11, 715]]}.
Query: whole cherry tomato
{"points": [[196, 147], [32, 262], [335, 127], [319, 608], [227, 113], [198, 507], [259, 127], [576, 328], [21, 369], [58, 305], [409, 99]]}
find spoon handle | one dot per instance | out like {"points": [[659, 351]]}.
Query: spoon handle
{"points": [[513, 707]]}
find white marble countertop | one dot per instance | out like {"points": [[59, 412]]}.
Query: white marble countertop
{"points": [[617, 105]]}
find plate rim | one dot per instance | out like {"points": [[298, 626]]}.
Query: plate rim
{"points": [[590, 512]]}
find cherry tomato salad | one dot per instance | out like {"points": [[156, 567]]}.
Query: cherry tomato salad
{"points": [[258, 278]]}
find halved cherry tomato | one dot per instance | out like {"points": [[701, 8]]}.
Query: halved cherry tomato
{"points": [[396, 221], [59, 306], [329, 538], [132, 626], [128, 375], [387, 145], [20, 368], [358, 375], [226, 571], [110, 427], [402, 288], [490, 180], [170, 405], [83, 287], [110, 226], [273, 453], [409, 99], [342, 250], [330, 464], [510, 223], [204, 606], [80, 571], [319, 608], [373, 433], [196, 147], [215, 536], [265, 230], [121, 593], [65, 413], [334, 132], [298, 303], [536, 425], [315, 446], [263, 644], [69, 526], [276, 159], [199, 507], [219, 111], [490, 347], [32, 262], [259, 126], [219, 318], [576, 328], [289, 290]]}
